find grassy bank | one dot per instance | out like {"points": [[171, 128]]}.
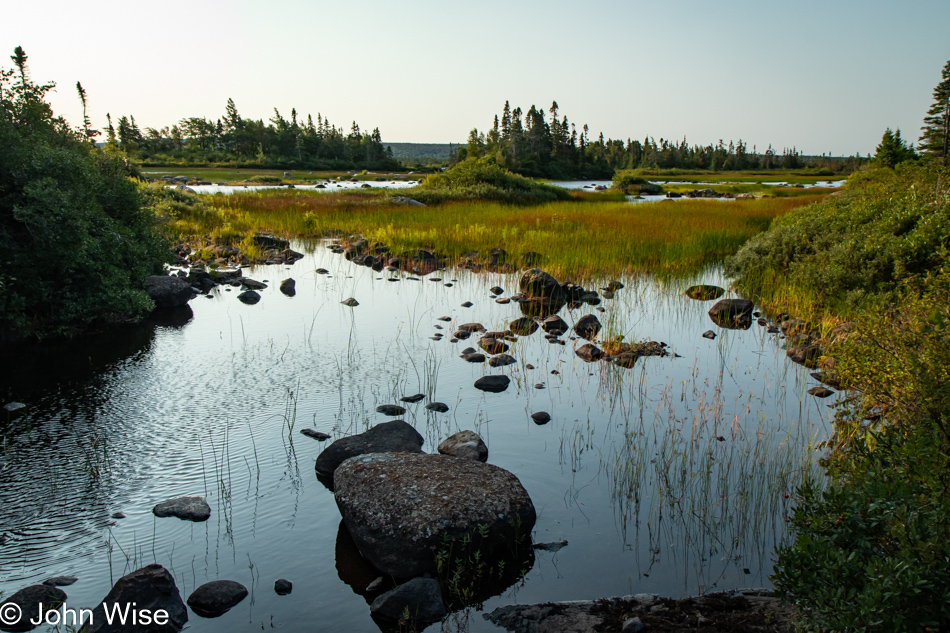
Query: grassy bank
{"points": [[872, 551], [587, 235]]}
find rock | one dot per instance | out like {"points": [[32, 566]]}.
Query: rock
{"points": [[820, 392], [467, 304], [524, 326], [633, 625], [732, 313], [704, 292], [322, 271], [395, 436], [151, 588], [350, 302], [493, 384], [438, 407], [806, 355], [117, 515], [503, 300], [28, 602], [541, 417], [320, 436], [465, 444], [492, 345], [587, 327], [168, 292], [253, 284], [554, 325], [471, 327], [390, 409], [462, 334], [413, 399], [288, 287], [185, 508], [614, 286], [709, 334], [402, 508], [496, 290], [474, 357], [420, 597], [268, 241], [282, 587], [216, 597], [12, 407], [535, 283], [250, 297], [501, 360], [60, 581], [589, 353], [404, 201], [551, 547], [626, 359]]}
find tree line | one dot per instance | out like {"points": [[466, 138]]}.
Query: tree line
{"points": [[935, 138], [295, 142], [546, 144]]}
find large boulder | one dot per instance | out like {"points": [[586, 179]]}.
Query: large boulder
{"points": [[402, 508], [535, 283], [167, 291], [389, 437], [25, 604], [151, 588]]}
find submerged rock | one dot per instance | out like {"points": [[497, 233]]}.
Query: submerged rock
{"points": [[492, 345], [524, 326], [438, 407], [390, 409], [401, 509], [820, 392], [151, 588], [465, 444], [216, 597], [421, 598], [412, 399], [493, 384], [60, 581], [320, 436], [501, 360], [185, 508], [395, 436], [704, 292]]}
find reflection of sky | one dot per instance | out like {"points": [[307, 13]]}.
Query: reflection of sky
{"points": [[204, 411], [764, 72]]}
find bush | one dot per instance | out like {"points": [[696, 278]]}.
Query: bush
{"points": [[629, 181], [75, 243], [474, 179]]}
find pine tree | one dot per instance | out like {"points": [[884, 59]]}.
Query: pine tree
{"points": [[87, 132], [935, 140]]}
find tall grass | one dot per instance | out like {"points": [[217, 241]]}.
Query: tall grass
{"points": [[581, 237]]}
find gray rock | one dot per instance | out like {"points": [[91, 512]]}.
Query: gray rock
{"points": [[501, 360], [250, 297], [587, 327], [633, 625], [320, 436], [282, 587], [288, 287], [503, 300], [415, 398], [118, 515], [535, 283], [467, 304], [589, 352], [541, 417], [709, 334], [820, 392], [493, 384], [167, 291], [216, 597], [472, 327], [474, 357], [465, 444], [551, 547], [60, 581], [12, 407], [421, 597], [389, 437], [253, 284], [350, 302], [404, 201], [28, 600], [496, 290], [438, 407], [151, 588], [185, 508], [390, 409], [401, 508]]}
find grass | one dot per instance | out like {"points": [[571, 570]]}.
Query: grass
{"points": [[794, 176], [232, 175], [586, 236]]}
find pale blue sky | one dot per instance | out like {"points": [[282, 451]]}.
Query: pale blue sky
{"points": [[824, 76]]}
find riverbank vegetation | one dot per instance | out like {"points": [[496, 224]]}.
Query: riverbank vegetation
{"points": [[75, 242]]}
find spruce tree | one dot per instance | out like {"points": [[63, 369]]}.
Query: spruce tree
{"points": [[936, 130]]}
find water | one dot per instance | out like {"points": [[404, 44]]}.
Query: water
{"points": [[667, 478]]}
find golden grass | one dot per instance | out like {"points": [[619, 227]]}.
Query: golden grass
{"points": [[575, 238]]}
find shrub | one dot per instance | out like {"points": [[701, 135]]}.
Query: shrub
{"points": [[474, 179], [629, 181]]}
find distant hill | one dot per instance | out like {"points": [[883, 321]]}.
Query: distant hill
{"points": [[421, 151]]}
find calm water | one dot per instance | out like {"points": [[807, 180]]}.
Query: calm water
{"points": [[668, 478]]}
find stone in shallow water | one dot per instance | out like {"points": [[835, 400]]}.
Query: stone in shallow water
{"points": [[709, 334], [152, 588], [589, 353], [415, 398], [320, 436], [523, 326], [351, 302], [185, 508], [438, 407], [541, 417], [390, 409], [465, 444], [388, 437], [400, 508], [704, 292], [502, 360], [216, 597], [250, 297], [282, 587], [420, 597], [587, 326], [60, 581], [820, 392], [474, 357], [493, 384]]}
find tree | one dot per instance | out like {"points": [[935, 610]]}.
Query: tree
{"points": [[935, 140], [87, 131], [893, 150]]}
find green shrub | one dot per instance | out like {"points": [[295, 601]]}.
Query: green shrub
{"points": [[474, 179], [75, 243], [629, 181]]}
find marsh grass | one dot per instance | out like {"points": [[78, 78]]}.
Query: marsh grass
{"points": [[583, 237]]}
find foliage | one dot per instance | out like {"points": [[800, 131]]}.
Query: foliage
{"points": [[75, 244], [845, 251], [893, 150], [630, 181], [474, 179], [935, 140]]}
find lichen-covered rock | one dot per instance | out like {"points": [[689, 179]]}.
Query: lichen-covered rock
{"points": [[400, 508], [389, 437], [465, 444]]}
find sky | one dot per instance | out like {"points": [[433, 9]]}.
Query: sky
{"points": [[824, 77]]}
